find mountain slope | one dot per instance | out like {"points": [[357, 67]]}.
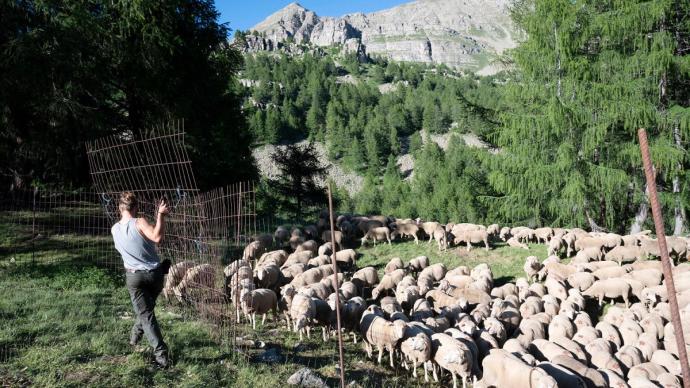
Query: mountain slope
{"points": [[466, 34]]}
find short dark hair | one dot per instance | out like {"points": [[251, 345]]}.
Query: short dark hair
{"points": [[128, 201]]}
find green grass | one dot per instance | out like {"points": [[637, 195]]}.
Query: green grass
{"points": [[506, 262]]}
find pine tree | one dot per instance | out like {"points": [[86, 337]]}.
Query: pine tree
{"points": [[590, 74], [296, 185]]}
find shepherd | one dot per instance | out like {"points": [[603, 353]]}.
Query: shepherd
{"points": [[135, 239]]}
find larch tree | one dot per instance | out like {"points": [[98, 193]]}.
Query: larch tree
{"points": [[589, 74]]}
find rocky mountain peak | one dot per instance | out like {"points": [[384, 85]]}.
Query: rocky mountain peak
{"points": [[465, 34]]}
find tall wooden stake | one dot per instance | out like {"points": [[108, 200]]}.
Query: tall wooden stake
{"points": [[337, 286], [665, 260]]}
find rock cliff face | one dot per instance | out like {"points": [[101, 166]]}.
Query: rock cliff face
{"points": [[460, 33]]}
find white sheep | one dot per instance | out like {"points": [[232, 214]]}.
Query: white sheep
{"points": [[259, 301], [453, 356]]}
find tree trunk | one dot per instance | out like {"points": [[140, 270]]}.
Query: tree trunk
{"points": [[642, 213]]}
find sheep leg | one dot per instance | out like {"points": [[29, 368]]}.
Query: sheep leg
{"points": [[601, 300], [253, 319], [416, 240], [308, 332], [426, 375], [414, 369], [391, 357], [323, 334], [455, 380], [263, 320], [380, 353], [486, 243]]}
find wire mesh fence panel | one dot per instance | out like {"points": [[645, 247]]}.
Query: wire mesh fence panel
{"points": [[204, 231]]}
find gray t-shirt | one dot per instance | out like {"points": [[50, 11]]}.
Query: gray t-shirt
{"points": [[138, 252]]}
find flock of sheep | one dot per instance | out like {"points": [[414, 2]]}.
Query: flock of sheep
{"points": [[544, 330]]}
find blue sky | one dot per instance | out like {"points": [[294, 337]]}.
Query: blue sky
{"points": [[243, 14]]}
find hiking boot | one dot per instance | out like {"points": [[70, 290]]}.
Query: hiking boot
{"points": [[134, 339], [162, 361]]}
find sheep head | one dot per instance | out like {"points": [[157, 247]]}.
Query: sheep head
{"points": [[399, 328]]}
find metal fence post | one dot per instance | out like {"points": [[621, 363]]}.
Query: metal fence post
{"points": [[665, 260]]}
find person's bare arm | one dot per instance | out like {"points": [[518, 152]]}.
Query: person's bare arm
{"points": [[154, 233]]}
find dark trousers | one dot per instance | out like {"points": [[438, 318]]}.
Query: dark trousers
{"points": [[144, 288]]}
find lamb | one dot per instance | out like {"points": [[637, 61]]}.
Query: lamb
{"points": [[610, 333], [667, 360], [276, 257], [436, 271], [532, 267], [175, 276], [563, 376], [233, 267], [472, 237], [581, 280], [648, 370], [365, 277], [558, 270], [543, 234], [381, 233], [348, 290], [441, 237], [309, 245], [295, 242], [440, 299], [609, 288], [453, 356], [588, 254], [346, 257], [196, 280], [610, 272], [268, 275], [429, 228], [351, 314], [292, 271], [418, 263], [388, 282], [393, 264], [544, 350], [381, 333], [515, 243], [624, 253], [281, 235], [561, 327], [649, 277], [416, 347], [502, 369], [326, 237], [252, 251], [299, 257], [406, 230], [555, 246], [592, 377], [629, 356], [504, 234], [259, 301], [604, 360], [326, 249], [302, 310]]}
